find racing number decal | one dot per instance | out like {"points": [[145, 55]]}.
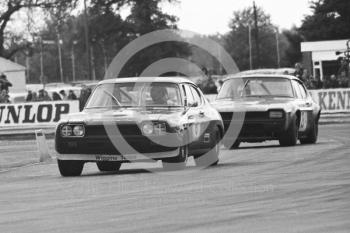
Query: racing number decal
{"points": [[196, 129], [303, 121]]}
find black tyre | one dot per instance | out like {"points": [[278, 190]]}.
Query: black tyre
{"points": [[108, 166], [312, 136], [235, 145], [211, 158], [178, 162], [290, 137], [70, 167]]}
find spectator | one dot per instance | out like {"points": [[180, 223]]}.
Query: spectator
{"points": [[43, 96], [343, 73], [317, 83], [72, 96], [29, 97], [331, 82], [46, 96], [299, 71], [34, 97], [84, 96], [343, 81], [306, 75], [344, 68], [56, 97], [64, 95], [4, 97], [5, 84], [208, 86]]}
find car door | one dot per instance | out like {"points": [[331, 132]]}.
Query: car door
{"points": [[305, 105], [192, 113], [200, 139]]}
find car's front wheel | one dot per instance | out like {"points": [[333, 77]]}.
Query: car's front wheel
{"points": [[290, 137], [312, 136], [178, 162], [70, 167], [228, 144], [108, 166], [212, 157], [235, 145]]}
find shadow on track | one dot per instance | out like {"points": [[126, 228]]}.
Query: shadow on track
{"points": [[251, 146], [122, 172], [161, 170]]}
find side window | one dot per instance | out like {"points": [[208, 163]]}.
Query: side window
{"points": [[189, 96], [196, 96], [303, 91], [297, 90]]}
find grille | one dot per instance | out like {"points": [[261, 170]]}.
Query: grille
{"points": [[227, 116], [125, 130]]}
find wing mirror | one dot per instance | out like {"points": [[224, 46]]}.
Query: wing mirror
{"points": [[193, 105]]}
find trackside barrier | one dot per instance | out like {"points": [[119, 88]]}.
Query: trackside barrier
{"points": [[332, 100], [36, 114], [40, 115]]}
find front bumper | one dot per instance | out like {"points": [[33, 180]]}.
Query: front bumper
{"points": [[256, 130], [147, 157], [263, 130]]}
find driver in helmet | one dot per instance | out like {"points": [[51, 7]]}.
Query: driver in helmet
{"points": [[159, 95]]}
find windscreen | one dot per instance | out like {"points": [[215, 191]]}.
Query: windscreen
{"points": [[135, 95], [256, 87]]}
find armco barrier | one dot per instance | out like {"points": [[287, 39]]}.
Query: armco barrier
{"points": [[26, 117]]}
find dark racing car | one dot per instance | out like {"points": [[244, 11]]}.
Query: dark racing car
{"points": [[140, 119], [271, 106]]}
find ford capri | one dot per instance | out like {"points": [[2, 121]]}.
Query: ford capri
{"points": [[267, 107], [140, 120]]}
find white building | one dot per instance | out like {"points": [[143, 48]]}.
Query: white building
{"points": [[321, 58], [15, 73]]}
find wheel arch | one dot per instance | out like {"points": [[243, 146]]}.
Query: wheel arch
{"points": [[318, 116], [221, 130], [298, 115]]}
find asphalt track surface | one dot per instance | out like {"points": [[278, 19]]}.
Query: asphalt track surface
{"points": [[259, 188]]}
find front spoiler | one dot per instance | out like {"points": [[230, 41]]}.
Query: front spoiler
{"points": [[147, 157]]}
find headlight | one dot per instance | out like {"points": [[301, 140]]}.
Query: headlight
{"points": [[78, 130], [276, 114], [66, 131], [147, 128]]}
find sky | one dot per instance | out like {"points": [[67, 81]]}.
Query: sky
{"points": [[211, 17]]}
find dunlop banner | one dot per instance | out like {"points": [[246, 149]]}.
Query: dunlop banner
{"points": [[36, 113]]}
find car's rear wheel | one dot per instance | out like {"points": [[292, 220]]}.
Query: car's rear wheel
{"points": [[178, 162], [70, 167], [212, 157], [290, 137], [108, 166], [312, 136]]}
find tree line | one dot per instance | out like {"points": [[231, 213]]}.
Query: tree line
{"points": [[62, 48]]}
